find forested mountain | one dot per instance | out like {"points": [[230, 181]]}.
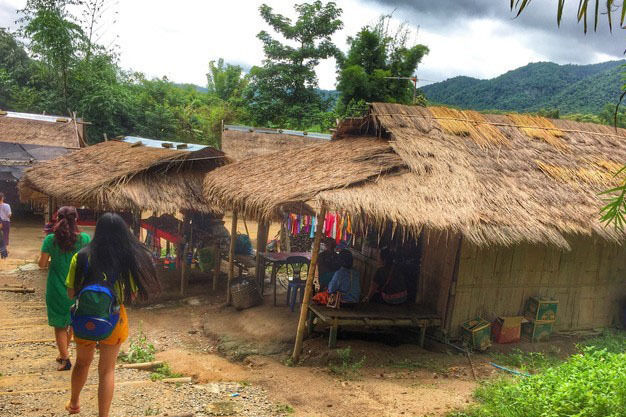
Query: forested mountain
{"points": [[542, 85]]}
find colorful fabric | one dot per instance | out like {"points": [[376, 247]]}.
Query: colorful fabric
{"points": [[57, 302]]}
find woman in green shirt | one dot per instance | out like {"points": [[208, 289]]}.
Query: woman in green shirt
{"points": [[56, 254]]}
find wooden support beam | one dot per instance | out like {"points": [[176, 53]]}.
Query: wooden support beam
{"points": [[231, 256], [218, 265], [308, 289], [261, 246], [183, 270]]}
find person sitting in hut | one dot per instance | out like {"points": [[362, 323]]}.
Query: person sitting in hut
{"points": [[327, 263], [346, 280], [389, 285]]}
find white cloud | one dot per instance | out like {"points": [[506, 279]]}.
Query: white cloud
{"points": [[178, 39]]}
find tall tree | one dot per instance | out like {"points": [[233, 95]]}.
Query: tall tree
{"points": [[283, 90], [375, 54], [225, 81], [54, 37]]}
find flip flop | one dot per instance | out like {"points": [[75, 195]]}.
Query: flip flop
{"points": [[70, 409], [59, 359], [64, 365]]}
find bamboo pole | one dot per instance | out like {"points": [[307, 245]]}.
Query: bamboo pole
{"points": [[217, 259], [20, 290], [261, 245], [308, 290], [231, 256]]}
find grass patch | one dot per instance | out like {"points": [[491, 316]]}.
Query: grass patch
{"points": [[284, 409], [611, 340], [346, 366], [532, 362], [140, 350], [589, 384], [162, 372]]}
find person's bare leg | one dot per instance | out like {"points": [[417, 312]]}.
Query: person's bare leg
{"points": [[84, 356], [106, 373], [62, 337]]}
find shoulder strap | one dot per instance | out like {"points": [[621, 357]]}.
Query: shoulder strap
{"points": [[82, 264]]}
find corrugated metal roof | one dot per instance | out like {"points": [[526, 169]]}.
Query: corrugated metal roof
{"points": [[242, 128], [39, 117], [154, 143]]}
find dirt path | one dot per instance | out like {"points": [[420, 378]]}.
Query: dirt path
{"points": [[30, 385]]}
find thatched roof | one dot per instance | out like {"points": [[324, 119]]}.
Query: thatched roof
{"points": [[39, 130], [497, 179], [243, 144], [118, 176]]}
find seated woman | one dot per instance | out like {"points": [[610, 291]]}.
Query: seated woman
{"points": [[327, 263], [389, 285], [346, 280]]}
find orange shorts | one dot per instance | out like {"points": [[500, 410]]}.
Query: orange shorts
{"points": [[119, 335]]}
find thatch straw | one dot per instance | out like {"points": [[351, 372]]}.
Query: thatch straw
{"points": [[239, 145], [468, 123], [264, 186], [539, 128], [117, 176], [38, 132], [525, 190]]}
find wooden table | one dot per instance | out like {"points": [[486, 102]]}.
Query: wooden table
{"points": [[277, 259], [373, 315]]}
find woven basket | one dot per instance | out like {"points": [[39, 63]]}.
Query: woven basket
{"points": [[245, 294]]}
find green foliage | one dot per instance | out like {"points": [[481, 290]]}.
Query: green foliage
{"points": [[614, 212], [589, 384], [162, 372], [346, 366], [225, 81], [611, 341], [376, 53], [582, 89], [284, 409], [140, 350], [283, 91], [526, 361]]}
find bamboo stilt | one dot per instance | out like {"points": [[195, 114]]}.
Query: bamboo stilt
{"points": [[308, 290], [231, 256]]}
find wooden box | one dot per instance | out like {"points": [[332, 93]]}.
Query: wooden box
{"points": [[541, 309], [507, 329], [477, 333], [537, 330]]}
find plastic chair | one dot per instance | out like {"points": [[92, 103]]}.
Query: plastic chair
{"points": [[296, 284]]}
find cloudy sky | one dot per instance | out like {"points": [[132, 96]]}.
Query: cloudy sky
{"points": [[477, 38]]}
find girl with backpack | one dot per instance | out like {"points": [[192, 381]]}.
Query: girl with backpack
{"points": [[113, 269], [57, 251]]}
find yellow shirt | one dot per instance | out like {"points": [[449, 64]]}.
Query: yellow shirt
{"points": [[118, 287]]}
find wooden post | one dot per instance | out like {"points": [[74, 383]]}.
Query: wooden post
{"points": [[261, 245], [231, 256], [136, 223], [184, 268], [218, 265], [308, 289], [285, 241]]}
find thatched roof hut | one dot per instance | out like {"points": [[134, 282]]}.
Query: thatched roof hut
{"points": [[117, 175], [34, 129], [503, 207], [242, 142], [496, 179]]}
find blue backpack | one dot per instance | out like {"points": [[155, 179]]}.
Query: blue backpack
{"points": [[95, 312]]}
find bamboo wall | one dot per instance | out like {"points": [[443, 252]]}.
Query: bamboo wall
{"points": [[589, 281]]}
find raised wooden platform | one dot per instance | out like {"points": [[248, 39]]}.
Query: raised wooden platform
{"points": [[374, 315]]}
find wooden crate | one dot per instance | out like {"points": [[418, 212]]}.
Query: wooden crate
{"points": [[477, 333], [541, 309], [537, 330]]}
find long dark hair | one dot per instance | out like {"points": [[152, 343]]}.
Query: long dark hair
{"points": [[114, 250], [65, 229]]}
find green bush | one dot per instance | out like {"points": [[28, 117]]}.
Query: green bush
{"points": [[140, 350], [589, 384]]}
